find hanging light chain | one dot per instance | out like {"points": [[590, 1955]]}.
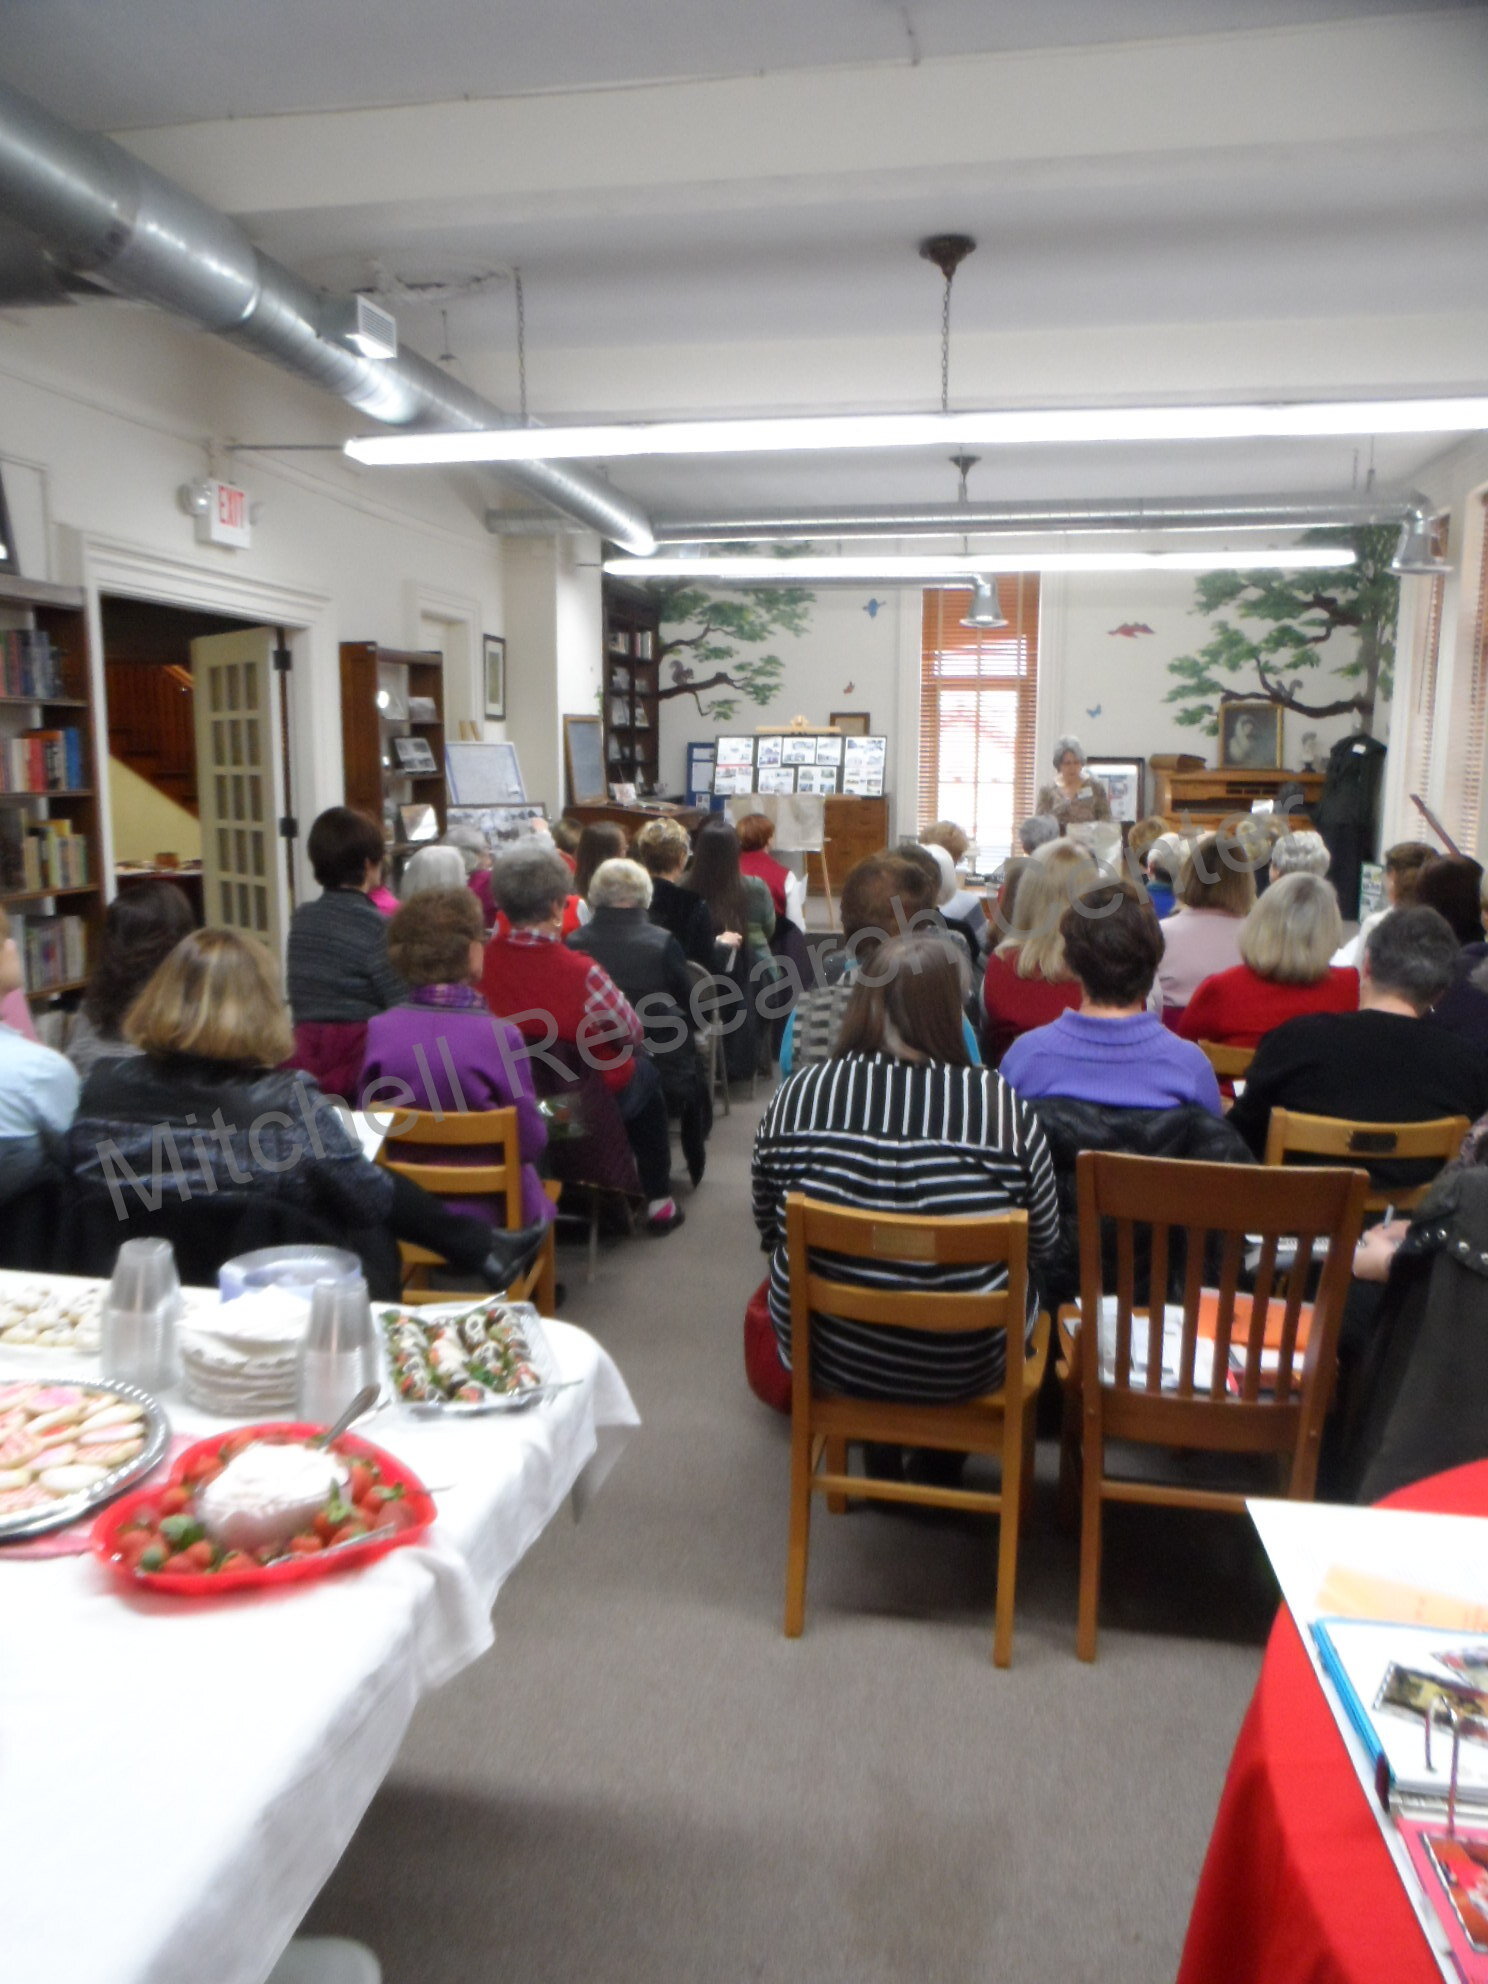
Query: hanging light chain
{"points": [[945, 344]]}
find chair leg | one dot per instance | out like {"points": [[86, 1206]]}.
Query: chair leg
{"points": [[1092, 1460], [545, 1290], [1030, 1454], [799, 1537], [1008, 1524], [1067, 1507], [593, 1236], [836, 1464]]}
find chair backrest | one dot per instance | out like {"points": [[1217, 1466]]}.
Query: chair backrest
{"points": [[886, 1238], [209, 1229], [1291, 1133], [1229, 1063], [1319, 1210], [493, 1131]]}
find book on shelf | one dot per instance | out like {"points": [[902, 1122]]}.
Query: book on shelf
{"points": [[29, 664], [54, 950], [42, 761], [40, 854]]}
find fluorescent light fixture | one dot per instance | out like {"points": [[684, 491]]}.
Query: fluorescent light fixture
{"points": [[829, 433], [968, 567]]}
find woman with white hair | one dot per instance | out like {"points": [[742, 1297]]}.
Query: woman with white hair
{"points": [[1301, 853], [648, 965], [1286, 943], [1073, 797], [436, 867]]}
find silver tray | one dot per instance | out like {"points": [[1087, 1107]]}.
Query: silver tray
{"points": [[542, 1360], [37, 1522]]}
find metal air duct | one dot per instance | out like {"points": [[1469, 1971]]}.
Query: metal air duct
{"points": [[104, 219]]}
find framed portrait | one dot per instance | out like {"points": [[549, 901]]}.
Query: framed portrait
{"points": [[1125, 780], [852, 723], [1250, 734], [493, 649]]}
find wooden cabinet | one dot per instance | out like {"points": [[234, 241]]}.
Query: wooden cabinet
{"points": [[51, 850], [632, 635], [853, 829], [388, 694]]}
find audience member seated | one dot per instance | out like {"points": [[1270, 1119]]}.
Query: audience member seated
{"points": [[565, 835], [1028, 982], [205, 1112], [601, 840], [928, 860], [963, 910], [476, 855], [1112, 1049], [141, 927], [663, 850], [1402, 869], [443, 1049], [882, 897], [897, 1121], [756, 831], [38, 1092], [1377, 1065], [1073, 797], [1216, 892], [647, 964], [970, 929], [1285, 944], [554, 995], [1454, 887], [1037, 831], [337, 961], [1302, 852], [429, 868], [1165, 859]]}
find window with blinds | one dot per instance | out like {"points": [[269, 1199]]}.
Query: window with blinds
{"points": [[1423, 692], [1462, 822], [978, 705]]}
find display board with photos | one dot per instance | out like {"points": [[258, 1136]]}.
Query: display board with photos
{"points": [[806, 761], [501, 824]]}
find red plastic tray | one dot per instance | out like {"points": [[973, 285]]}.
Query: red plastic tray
{"points": [[415, 1513]]}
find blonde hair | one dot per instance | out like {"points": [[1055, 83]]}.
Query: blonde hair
{"points": [[1046, 888], [1218, 874], [1291, 934], [662, 847], [1145, 834], [216, 997], [946, 834]]}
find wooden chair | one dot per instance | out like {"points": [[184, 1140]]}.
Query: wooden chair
{"points": [[1000, 1423], [1289, 1133], [499, 1178], [1294, 1348], [1231, 1064]]}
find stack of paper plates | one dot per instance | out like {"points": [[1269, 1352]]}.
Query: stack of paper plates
{"points": [[240, 1364]]}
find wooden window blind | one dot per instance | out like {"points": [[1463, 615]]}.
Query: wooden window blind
{"points": [[1463, 821], [1423, 693], [978, 707]]}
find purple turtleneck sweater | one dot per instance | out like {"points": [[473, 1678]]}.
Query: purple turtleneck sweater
{"points": [[1135, 1063]]}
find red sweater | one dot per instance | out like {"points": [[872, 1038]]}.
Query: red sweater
{"points": [[1015, 1005], [771, 872], [1235, 1008], [549, 993]]}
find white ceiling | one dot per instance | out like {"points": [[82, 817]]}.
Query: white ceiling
{"points": [[130, 64], [1274, 197]]}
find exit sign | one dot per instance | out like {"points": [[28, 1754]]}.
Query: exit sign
{"points": [[225, 519]]}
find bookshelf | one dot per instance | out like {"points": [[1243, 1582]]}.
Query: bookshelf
{"points": [[379, 688], [51, 857], [632, 635]]}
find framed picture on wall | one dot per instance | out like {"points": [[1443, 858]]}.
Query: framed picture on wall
{"points": [[1125, 780], [1250, 734], [493, 650], [852, 723]]}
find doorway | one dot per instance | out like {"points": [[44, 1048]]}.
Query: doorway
{"points": [[197, 746]]}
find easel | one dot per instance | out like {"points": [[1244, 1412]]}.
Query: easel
{"points": [[1436, 826], [799, 727]]}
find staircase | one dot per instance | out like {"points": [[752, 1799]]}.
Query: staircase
{"points": [[152, 726]]}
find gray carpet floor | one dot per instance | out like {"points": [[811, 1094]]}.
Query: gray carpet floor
{"points": [[645, 1781]]}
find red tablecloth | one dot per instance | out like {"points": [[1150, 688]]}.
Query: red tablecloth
{"points": [[1298, 1887]]}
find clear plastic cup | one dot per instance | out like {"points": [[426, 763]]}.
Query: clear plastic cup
{"points": [[137, 1327], [339, 1352]]}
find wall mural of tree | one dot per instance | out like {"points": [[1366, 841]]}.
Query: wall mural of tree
{"points": [[704, 636], [1286, 656]]}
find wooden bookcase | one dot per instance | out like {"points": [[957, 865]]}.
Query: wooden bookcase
{"points": [[377, 685], [60, 613], [632, 634]]}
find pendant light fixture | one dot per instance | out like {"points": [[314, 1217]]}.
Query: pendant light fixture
{"points": [[986, 608], [1422, 547]]}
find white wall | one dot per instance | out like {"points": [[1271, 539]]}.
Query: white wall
{"points": [[146, 822], [554, 643]]}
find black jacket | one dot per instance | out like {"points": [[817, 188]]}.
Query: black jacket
{"points": [[1070, 1126], [684, 914], [648, 965]]}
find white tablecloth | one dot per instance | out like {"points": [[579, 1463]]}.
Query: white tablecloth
{"points": [[178, 1777]]}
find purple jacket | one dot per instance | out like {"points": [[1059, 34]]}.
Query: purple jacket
{"points": [[1131, 1063], [454, 1054]]}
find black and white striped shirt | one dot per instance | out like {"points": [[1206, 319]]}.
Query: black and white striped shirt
{"points": [[875, 1134]]}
